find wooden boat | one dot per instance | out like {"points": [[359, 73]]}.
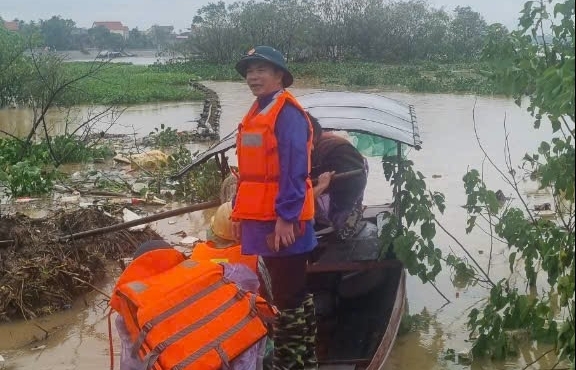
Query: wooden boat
{"points": [[360, 291]]}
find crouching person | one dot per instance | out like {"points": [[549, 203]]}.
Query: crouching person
{"points": [[221, 247], [179, 313]]}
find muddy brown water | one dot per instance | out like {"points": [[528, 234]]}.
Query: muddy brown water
{"points": [[78, 337]]}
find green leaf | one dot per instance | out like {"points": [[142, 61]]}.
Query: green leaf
{"points": [[471, 222], [428, 230]]}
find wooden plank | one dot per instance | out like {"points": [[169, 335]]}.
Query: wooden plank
{"points": [[357, 362], [350, 250], [372, 211]]}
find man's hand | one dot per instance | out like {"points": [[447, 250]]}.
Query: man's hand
{"points": [[283, 234], [236, 230], [323, 183], [324, 179]]}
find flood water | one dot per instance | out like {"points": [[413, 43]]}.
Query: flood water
{"points": [[80, 340]]}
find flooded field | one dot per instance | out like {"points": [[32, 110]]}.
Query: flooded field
{"points": [[78, 337]]}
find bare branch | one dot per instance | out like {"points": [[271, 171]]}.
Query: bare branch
{"points": [[439, 292], [489, 234], [489, 225], [465, 251], [510, 182], [96, 118], [537, 359], [570, 130], [55, 90], [49, 143], [12, 136]]}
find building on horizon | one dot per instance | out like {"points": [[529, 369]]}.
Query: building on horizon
{"points": [[114, 27], [12, 25]]}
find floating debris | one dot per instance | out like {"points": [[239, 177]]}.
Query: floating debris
{"points": [[39, 275]]}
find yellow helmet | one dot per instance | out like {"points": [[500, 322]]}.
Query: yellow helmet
{"points": [[221, 225]]}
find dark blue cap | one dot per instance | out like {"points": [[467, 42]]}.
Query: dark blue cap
{"points": [[267, 54]]}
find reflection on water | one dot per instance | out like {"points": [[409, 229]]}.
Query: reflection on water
{"points": [[449, 150], [137, 120]]}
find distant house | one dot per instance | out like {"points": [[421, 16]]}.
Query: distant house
{"points": [[114, 27], [12, 26], [167, 30]]}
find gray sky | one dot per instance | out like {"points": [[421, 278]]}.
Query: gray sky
{"points": [[179, 13]]}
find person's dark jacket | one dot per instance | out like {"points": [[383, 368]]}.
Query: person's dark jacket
{"points": [[335, 153]]}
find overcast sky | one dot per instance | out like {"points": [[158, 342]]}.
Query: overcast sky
{"points": [[179, 13]]}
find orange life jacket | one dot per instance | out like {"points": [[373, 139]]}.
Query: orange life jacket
{"points": [[208, 251], [183, 314], [259, 165]]}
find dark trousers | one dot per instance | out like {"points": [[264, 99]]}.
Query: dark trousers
{"points": [[288, 279]]}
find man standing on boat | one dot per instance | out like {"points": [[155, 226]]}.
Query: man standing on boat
{"points": [[339, 203], [274, 205]]}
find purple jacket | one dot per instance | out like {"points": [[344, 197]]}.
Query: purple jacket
{"points": [[292, 136]]}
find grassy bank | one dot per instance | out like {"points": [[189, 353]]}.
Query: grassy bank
{"points": [[123, 84], [424, 77]]}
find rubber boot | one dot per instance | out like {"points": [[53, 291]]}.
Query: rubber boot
{"points": [[289, 347], [310, 359]]}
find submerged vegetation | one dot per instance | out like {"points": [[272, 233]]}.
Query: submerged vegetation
{"points": [[124, 84], [32, 170], [43, 81], [418, 77], [543, 249], [30, 77]]}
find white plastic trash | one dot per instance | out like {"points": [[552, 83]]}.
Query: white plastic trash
{"points": [[131, 216]]}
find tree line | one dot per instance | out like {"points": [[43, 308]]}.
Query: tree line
{"points": [[305, 30], [62, 34], [368, 30]]}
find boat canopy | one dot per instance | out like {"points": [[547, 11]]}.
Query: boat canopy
{"points": [[363, 113]]}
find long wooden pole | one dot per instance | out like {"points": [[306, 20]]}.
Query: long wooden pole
{"points": [[175, 212], [167, 214], [343, 175], [141, 221]]}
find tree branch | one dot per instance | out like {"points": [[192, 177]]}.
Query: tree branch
{"points": [[512, 184], [537, 359], [12, 136], [54, 92], [570, 130], [490, 225], [465, 251], [49, 143], [439, 292]]}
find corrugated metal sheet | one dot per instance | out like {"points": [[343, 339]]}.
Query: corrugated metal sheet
{"points": [[367, 113]]}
